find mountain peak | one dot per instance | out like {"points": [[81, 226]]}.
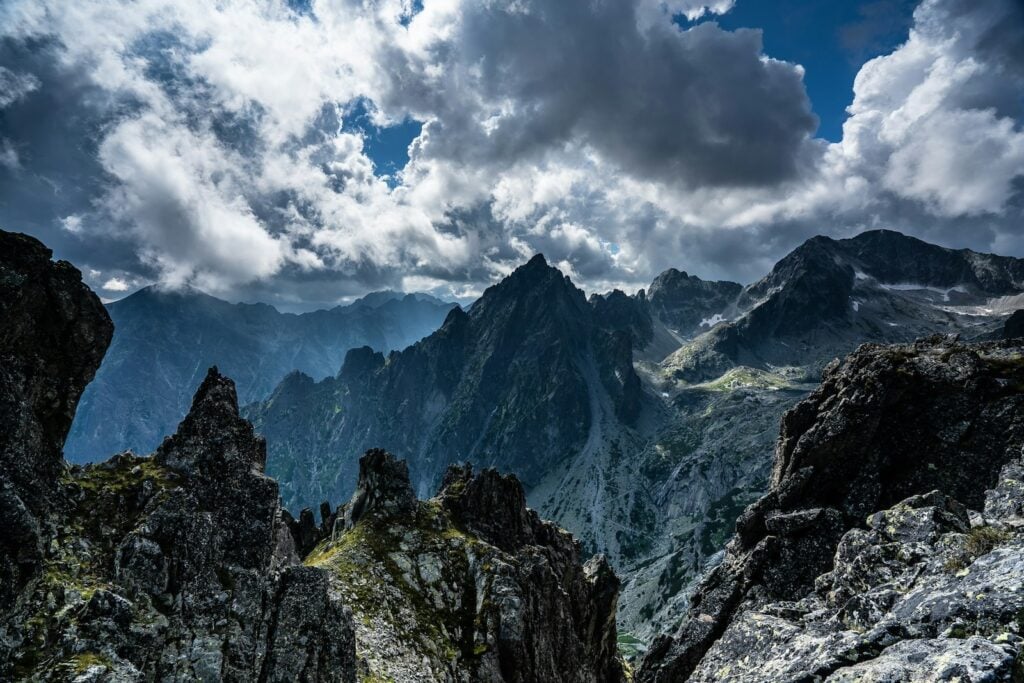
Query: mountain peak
{"points": [[536, 261], [534, 275], [216, 389], [213, 438], [383, 488], [535, 270], [491, 504]]}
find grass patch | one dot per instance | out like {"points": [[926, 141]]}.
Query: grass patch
{"points": [[743, 378], [630, 646], [980, 541]]}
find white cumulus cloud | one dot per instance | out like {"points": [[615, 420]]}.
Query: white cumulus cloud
{"points": [[220, 148]]}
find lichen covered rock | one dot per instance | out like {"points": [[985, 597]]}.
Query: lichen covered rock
{"points": [[469, 585], [177, 567], [861, 539]]}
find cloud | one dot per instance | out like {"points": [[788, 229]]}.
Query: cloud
{"points": [[181, 194], [72, 223], [115, 284], [515, 81], [939, 120], [210, 143], [15, 86]]}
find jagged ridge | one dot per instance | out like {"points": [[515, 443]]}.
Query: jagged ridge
{"points": [[176, 567], [530, 351], [469, 585]]}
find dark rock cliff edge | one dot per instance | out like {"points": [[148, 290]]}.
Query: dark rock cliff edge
{"points": [[175, 567], [863, 559]]}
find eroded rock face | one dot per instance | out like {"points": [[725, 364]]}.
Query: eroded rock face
{"points": [[53, 332], [178, 567], [816, 580], [383, 489], [920, 595], [468, 586]]}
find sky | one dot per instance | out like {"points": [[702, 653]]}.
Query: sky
{"points": [[303, 153]]}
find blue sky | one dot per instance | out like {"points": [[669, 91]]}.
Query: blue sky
{"points": [[831, 39], [387, 146]]}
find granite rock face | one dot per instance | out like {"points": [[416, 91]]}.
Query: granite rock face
{"points": [[178, 567], [864, 541], [53, 335], [467, 586], [687, 303]]}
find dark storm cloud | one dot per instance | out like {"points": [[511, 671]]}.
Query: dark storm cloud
{"points": [[55, 130], [701, 106]]}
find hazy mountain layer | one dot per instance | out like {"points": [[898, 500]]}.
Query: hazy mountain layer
{"points": [[164, 341]]}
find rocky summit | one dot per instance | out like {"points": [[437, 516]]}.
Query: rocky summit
{"points": [[467, 586], [175, 567], [888, 547], [524, 381]]}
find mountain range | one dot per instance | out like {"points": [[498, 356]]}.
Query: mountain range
{"points": [[642, 423], [165, 339], [182, 566], [880, 541]]}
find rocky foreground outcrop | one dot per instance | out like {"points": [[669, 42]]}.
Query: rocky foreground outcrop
{"points": [[178, 567], [889, 546], [183, 566], [467, 586], [52, 337]]}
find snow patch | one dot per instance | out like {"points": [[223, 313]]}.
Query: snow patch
{"points": [[917, 287], [856, 305], [1001, 305], [713, 320]]}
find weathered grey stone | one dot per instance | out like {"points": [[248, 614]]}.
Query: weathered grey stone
{"points": [[470, 585], [973, 660], [915, 431]]}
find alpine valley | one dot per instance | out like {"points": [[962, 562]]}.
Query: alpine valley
{"points": [[816, 476]]}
